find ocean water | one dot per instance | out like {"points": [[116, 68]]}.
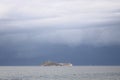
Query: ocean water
{"points": [[60, 73]]}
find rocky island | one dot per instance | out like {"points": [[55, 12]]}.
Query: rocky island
{"points": [[49, 63]]}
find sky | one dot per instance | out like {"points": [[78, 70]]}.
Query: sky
{"points": [[82, 32]]}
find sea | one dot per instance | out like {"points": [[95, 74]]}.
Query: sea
{"points": [[60, 73]]}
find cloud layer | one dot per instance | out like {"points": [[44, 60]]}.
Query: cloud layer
{"points": [[73, 30], [71, 22]]}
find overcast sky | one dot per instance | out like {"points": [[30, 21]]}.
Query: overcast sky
{"points": [[84, 32]]}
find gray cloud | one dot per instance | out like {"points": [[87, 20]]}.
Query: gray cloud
{"points": [[38, 28], [54, 13]]}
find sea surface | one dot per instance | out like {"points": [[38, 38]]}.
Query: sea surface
{"points": [[60, 73]]}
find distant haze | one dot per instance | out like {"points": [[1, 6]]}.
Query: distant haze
{"points": [[82, 32]]}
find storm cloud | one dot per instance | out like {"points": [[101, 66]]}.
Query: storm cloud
{"points": [[33, 28]]}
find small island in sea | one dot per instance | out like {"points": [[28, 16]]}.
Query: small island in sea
{"points": [[50, 63]]}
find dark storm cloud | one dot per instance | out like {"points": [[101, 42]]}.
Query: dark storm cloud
{"points": [[81, 55], [78, 31]]}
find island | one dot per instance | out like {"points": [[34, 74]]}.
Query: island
{"points": [[50, 63]]}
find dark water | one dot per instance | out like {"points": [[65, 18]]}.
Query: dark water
{"points": [[60, 73]]}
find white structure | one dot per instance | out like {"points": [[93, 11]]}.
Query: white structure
{"points": [[65, 64]]}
